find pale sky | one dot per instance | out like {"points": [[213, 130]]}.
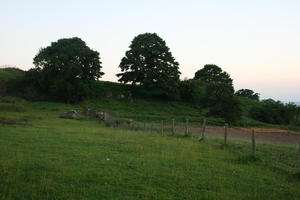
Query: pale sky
{"points": [[256, 41]]}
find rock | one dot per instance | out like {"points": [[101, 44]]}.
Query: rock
{"points": [[100, 115], [78, 114], [73, 114]]}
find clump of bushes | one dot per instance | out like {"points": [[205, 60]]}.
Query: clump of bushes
{"points": [[275, 112]]}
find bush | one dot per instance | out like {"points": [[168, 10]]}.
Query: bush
{"points": [[222, 102], [274, 112], [192, 91]]}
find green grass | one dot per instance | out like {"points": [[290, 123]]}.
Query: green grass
{"points": [[147, 110], [55, 158]]}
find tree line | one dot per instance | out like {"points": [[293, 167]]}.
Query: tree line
{"points": [[68, 69]]}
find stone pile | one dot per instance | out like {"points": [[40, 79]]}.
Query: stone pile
{"points": [[79, 114], [100, 115]]}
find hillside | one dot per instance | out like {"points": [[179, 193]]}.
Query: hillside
{"points": [[133, 102], [10, 73], [53, 158], [7, 76]]}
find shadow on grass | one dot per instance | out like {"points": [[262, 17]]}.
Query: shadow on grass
{"points": [[296, 176]]}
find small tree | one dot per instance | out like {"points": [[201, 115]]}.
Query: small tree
{"points": [[219, 95], [150, 63], [247, 94], [212, 74], [66, 69]]}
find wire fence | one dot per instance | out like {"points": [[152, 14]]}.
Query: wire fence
{"points": [[200, 129], [172, 126]]}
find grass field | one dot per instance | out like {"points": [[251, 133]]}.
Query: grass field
{"points": [[53, 158]]}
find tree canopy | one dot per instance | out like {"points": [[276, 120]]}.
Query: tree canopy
{"points": [[275, 112], [192, 91], [65, 69], [250, 94], [213, 74], [150, 63], [219, 96]]}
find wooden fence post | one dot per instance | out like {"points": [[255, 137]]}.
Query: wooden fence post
{"points": [[298, 156], [173, 126], [186, 127], [225, 133], [298, 113], [203, 130], [253, 144]]}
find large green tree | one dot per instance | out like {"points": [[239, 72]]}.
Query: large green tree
{"points": [[150, 63], [213, 74], [66, 69]]}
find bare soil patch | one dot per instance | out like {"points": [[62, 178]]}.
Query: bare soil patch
{"points": [[273, 135]]}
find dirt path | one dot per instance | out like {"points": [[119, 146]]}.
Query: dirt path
{"points": [[272, 135]]}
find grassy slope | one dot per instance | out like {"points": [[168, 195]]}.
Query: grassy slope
{"points": [[140, 108], [7, 75], [10, 73], [147, 110], [53, 158]]}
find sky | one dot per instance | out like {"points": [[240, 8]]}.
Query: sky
{"points": [[257, 42]]}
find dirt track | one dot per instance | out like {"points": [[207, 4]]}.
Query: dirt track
{"points": [[278, 136]]}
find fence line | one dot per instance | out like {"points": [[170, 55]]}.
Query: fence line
{"points": [[186, 127]]}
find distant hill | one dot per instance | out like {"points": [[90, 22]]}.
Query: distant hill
{"points": [[295, 102], [7, 66], [298, 103], [10, 73], [7, 75]]}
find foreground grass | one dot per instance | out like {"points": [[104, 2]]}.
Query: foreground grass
{"points": [[54, 158]]}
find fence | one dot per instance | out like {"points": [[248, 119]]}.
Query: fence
{"points": [[197, 128]]}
